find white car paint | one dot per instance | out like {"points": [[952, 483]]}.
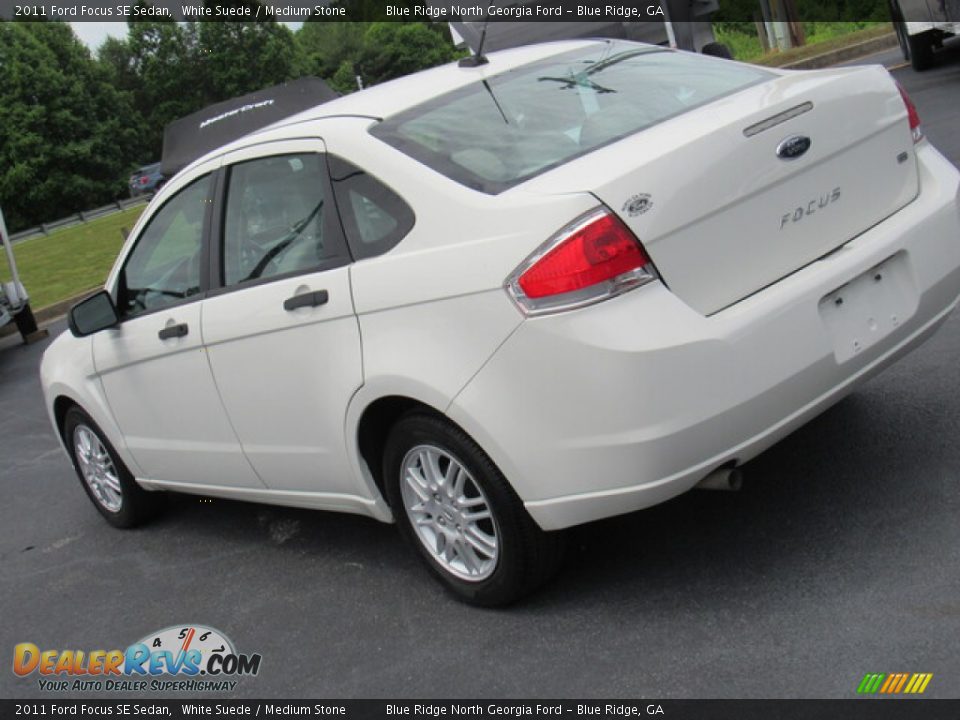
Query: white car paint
{"points": [[588, 413]]}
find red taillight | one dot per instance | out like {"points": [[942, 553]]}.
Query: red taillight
{"points": [[594, 258], [144, 180], [912, 115]]}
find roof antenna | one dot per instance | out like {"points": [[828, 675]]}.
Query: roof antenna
{"points": [[478, 58]]}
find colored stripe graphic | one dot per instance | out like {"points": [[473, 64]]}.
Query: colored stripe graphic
{"points": [[894, 683], [870, 683]]}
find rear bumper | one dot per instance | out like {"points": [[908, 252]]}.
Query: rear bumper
{"points": [[622, 405]]}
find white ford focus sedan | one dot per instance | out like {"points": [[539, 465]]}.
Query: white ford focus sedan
{"points": [[493, 302]]}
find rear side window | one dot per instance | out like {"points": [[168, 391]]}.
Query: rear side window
{"points": [[494, 134], [374, 217], [277, 219]]}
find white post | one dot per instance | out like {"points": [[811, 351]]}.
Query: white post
{"points": [[671, 36], [8, 247]]}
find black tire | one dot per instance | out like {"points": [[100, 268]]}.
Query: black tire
{"points": [[921, 50], [717, 49], [526, 555], [136, 505]]}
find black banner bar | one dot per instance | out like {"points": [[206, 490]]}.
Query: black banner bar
{"points": [[429, 10], [855, 709]]}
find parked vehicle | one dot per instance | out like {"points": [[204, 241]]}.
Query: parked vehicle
{"points": [[14, 301], [493, 302], [922, 27], [145, 180]]}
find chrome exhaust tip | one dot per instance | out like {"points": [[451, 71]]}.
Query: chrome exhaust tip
{"points": [[729, 479]]}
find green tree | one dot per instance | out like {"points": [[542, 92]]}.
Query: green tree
{"points": [[325, 46], [392, 50], [235, 58], [66, 136], [344, 80], [156, 64]]}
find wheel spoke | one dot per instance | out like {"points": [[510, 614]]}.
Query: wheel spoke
{"points": [[470, 560], [430, 462], [97, 468], [444, 504], [477, 516], [449, 551], [459, 481], [414, 482], [481, 541], [111, 482]]}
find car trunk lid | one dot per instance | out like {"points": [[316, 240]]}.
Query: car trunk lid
{"points": [[727, 199]]}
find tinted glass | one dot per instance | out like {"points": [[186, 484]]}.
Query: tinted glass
{"points": [[164, 266], [494, 134], [93, 314], [275, 218], [374, 217]]}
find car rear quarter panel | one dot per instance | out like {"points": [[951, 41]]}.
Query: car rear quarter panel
{"points": [[433, 310]]}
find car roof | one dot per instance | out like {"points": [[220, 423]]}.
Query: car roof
{"points": [[395, 96]]}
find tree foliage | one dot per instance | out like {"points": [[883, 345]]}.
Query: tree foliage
{"points": [[67, 134], [73, 126], [392, 50], [736, 12]]}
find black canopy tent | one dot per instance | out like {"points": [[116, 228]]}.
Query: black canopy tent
{"points": [[195, 135]]}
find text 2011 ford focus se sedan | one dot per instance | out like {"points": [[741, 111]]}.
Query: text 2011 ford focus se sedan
{"points": [[494, 302]]}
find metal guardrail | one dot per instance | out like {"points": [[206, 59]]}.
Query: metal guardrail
{"points": [[79, 218]]}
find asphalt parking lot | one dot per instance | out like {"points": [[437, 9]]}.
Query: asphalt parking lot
{"points": [[840, 557]]}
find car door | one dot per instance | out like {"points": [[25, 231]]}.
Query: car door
{"points": [[281, 334], [153, 367]]}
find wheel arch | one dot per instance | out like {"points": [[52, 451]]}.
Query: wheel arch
{"points": [[62, 404], [374, 425]]}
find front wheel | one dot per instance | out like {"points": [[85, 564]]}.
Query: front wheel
{"points": [[456, 508], [109, 485]]}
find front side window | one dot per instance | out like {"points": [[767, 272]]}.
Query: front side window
{"points": [[164, 266], [276, 218]]}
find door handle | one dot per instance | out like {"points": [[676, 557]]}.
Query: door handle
{"points": [[173, 331], [309, 299]]}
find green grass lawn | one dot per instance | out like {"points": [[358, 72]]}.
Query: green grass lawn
{"points": [[69, 261], [822, 37]]}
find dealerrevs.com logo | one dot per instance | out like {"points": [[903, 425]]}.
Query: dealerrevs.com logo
{"points": [[188, 658]]}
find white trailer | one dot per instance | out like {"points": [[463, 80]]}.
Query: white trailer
{"points": [[922, 26], [14, 301]]}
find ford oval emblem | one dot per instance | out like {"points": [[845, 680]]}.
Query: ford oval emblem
{"points": [[793, 147], [638, 205]]}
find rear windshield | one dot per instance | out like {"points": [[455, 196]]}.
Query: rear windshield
{"points": [[494, 134]]}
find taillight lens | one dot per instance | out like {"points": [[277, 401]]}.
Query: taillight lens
{"points": [[594, 258], [144, 180], [912, 115]]}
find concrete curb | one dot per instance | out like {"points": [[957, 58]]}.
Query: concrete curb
{"points": [[844, 54]]}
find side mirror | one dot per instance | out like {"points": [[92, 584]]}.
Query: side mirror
{"points": [[94, 314]]}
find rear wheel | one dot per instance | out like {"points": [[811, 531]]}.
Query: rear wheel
{"points": [[456, 508], [921, 50], [108, 483]]}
